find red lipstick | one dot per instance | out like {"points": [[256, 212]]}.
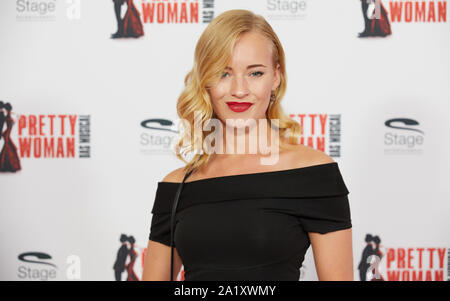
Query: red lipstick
{"points": [[239, 106]]}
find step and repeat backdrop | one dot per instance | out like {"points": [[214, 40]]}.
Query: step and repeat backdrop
{"points": [[88, 121]]}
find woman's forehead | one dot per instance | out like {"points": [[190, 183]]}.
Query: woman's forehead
{"points": [[251, 49]]}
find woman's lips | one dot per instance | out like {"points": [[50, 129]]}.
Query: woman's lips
{"points": [[239, 106]]}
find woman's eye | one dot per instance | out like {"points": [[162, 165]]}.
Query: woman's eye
{"points": [[261, 73]]}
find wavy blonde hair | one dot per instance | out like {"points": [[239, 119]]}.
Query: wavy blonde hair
{"points": [[212, 53]]}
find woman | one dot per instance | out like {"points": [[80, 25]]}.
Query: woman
{"points": [[130, 25], [239, 219], [377, 252], [130, 266], [2, 118], [378, 25]]}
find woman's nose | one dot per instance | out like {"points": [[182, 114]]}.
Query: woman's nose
{"points": [[239, 87]]}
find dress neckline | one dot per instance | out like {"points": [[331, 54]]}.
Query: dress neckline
{"points": [[309, 182], [282, 171]]}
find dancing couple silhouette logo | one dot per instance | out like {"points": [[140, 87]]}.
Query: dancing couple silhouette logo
{"points": [[9, 159], [122, 254], [376, 21], [130, 25], [370, 259]]}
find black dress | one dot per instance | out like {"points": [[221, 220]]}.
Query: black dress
{"points": [[251, 226]]}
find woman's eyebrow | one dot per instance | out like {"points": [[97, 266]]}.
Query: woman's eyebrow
{"points": [[249, 66]]}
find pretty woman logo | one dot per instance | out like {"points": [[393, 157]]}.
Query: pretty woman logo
{"points": [[377, 19], [402, 263], [159, 12], [42, 136]]}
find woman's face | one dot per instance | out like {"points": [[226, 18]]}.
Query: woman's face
{"points": [[250, 77]]}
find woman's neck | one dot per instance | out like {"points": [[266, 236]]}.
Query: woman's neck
{"points": [[252, 138]]}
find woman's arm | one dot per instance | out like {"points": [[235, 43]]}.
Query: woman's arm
{"points": [[157, 259], [333, 255], [157, 262]]}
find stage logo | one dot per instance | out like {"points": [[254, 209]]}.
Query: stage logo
{"points": [[47, 10], [36, 10], [37, 266], [43, 269], [158, 136], [288, 10], [404, 136]]}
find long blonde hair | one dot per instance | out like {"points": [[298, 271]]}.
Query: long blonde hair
{"points": [[212, 53]]}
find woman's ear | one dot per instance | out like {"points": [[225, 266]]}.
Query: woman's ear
{"points": [[277, 77]]}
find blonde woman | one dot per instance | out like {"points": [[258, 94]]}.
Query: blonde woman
{"points": [[239, 218]]}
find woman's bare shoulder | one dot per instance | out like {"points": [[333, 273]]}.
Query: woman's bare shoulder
{"points": [[303, 156], [175, 175]]}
